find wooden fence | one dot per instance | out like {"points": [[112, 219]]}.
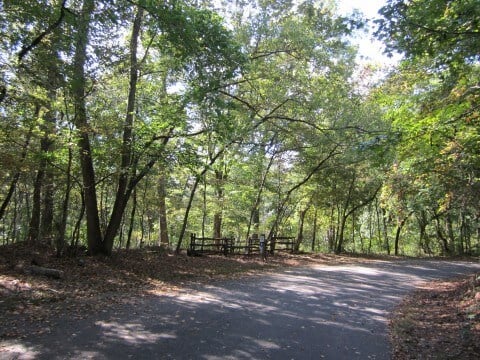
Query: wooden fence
{"points": [[207, 245], [228, 246], [282, 243]]}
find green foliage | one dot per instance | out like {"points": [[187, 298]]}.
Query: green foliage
{"points": [[447, 31], [254, 120], [433, 104]]}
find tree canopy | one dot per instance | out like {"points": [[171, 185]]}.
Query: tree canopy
{"points": [[133, 123]]}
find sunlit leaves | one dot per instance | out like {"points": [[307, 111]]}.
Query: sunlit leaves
{"points": [[445, 30], [433, 103]]}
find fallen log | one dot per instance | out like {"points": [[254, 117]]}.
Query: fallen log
{"points": [[40, 270], [53, 273]]}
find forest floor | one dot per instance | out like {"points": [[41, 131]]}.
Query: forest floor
{"points": [[439, 320]]}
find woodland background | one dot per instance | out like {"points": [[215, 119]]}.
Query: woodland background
{"points": [[131, 123]]}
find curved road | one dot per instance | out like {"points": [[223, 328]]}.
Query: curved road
{"points": [[318, 312]]}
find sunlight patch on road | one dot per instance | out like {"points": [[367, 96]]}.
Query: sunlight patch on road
{"points": [[266, 344], [352, 270], [132, 333], [375, 311], [14, 350], [82, 355], [223, 299], [302, 285], [198, 297]]}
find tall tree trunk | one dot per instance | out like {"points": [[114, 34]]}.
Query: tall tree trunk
{"points": [[41, 222], [282, 204], [34, 225], [255, 212], [385, 230], [341, 233], [331, 233], [162, 208], [217, 225], [187, 213], [46, 227], [121, 197], [441, 236], [346, 214], [314, 231], [62, 224], [16, 176], [353, 231], [94, 235], [204, 206], [400, 225], [301, 222], [47, 145], [422, 224], [198, 177], [76, 230], [132, 220], [217, 217], [450, 232]]}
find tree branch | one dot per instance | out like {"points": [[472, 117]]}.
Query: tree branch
{"points": [[26, 49]]}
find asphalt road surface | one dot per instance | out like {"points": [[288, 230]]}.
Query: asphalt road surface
{"points": [[320, 312]]}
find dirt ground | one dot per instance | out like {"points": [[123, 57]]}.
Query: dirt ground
{"points": [[439, 321]]}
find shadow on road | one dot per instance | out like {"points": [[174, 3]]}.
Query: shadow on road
{"points": [[331, 312]]}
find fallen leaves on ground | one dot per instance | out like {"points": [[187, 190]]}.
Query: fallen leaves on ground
{"points": [[441, 320], [89, 284]]}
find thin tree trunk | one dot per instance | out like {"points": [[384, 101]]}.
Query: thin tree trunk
{"points": [[46, 227], [34, 225], [16, 176], [162, 209], [289, 193], [219, 184], [314, 232], [62, 225], [204, 206], [132, 220], [255, 213], [385, 230], [341, 230], [347, 214], [344, 215], [217, 217], [422, 224], [401, 224], [331, 233], [300, 228], [450, 232], [76, 230], [192, 196], [353, 231], [187, 212]]}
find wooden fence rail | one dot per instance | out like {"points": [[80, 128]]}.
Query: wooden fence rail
{"points": [[207, 245], [228, 246]]}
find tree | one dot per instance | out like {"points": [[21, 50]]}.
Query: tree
{"points": [[434, 107], [446, 31]]}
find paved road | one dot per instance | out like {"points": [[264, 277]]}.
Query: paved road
{"points": [[320, 312]]}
